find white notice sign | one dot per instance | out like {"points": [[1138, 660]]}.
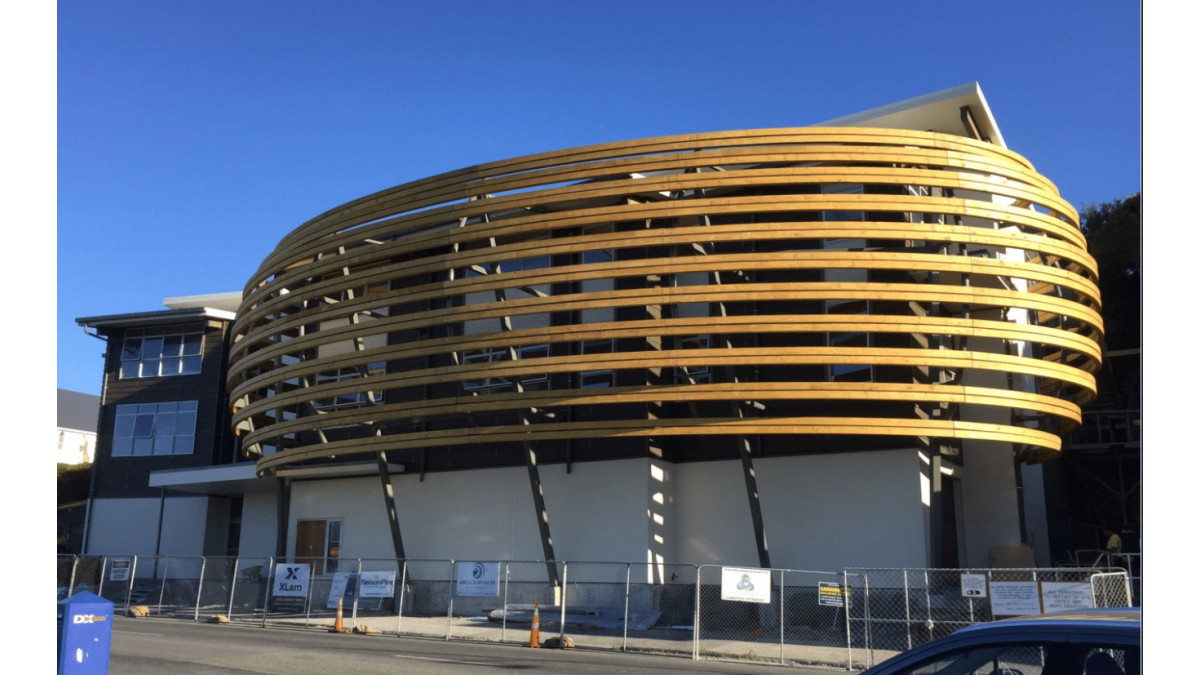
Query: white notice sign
{"points": [[1060, 595], [377, 584], [120, 569], [291, 580], [742, 584], [478, 579], [974, 585], [1014, 598]]}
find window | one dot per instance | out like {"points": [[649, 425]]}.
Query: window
{"points": [[145, 429], [530, 382], [698, 373], [594, 379], [158, 353]]}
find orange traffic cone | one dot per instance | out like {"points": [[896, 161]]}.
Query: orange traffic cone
{"points": [[534, 637], [337, 623]]}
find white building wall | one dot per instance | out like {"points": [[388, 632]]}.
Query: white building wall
{"points": [[989, 500], [258, 525], [821, 512], [75, 447], [130, 526]]}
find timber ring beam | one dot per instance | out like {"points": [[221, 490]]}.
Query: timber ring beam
{"points": [[937, 285]]}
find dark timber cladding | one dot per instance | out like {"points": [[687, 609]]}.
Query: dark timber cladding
{"points": [[710, 296], [128, 475]]}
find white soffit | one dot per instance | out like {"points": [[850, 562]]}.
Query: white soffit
{"points": [[227, 302], [939, 111]]}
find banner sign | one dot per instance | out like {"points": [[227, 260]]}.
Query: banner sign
{"points": [[478, 579], [377, 584], [741, 584], [291, 580]]}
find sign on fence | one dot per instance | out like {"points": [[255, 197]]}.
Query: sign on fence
{"points": [[478, 579], [974, 585], [1063, 595], [290, 590], [120, 569], [340, 587], [830, 594], [377, 584], [1015, 598], [742, 584]]}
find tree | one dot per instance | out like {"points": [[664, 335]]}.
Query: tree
{"points": [[1114, 236]]}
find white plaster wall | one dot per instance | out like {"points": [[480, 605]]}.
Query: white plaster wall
{"points": [[857, 509], [597, 512], [258, 525], [713, 515], [75, 447], [130, 526], [989, 498]]}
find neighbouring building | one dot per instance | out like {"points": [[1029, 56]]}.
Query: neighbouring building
{"points": [[77, 414], [849, 344]]}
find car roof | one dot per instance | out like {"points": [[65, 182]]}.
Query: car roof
{"points": [[1129, 617]]}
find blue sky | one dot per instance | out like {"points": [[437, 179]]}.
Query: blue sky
{"points": [[191, 137]]}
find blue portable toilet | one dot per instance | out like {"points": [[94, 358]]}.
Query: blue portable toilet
{"points": [[84, 634]]}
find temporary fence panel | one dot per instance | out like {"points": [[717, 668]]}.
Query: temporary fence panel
{"points": [[903, 608], [174, 584], [778, 615]]}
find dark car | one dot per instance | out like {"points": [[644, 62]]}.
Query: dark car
{"points": [[1082, 642]]}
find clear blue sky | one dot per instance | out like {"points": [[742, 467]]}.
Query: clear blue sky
{"points": [[193, 136]]}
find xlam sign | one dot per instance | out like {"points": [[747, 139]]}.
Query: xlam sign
{"points": [[290, 587]]}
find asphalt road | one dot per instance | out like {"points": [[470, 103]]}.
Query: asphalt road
{"points": [[161, 646]]}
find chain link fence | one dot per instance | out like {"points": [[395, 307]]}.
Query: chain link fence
{"points": [[903, 608], [847, 620]]}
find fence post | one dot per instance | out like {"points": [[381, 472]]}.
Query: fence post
{"points": [[562, 617], [357, 595], [696, 622], [199, 588], [849, 600], [928, 608], [450, 604], [267, 590], [233, 585], [162, 588], [308, 591], [103, 569], [782, 596], [625, 629], [71, 583], [132, 580], [403, 589], [907, 612], [504, 614]]}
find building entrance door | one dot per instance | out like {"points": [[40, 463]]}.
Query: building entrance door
{"points": [[319, 542]]}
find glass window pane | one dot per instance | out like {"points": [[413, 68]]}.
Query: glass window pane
{"points": [[164, 424], [185, 422], [191, 344], [122, 447], [152, 347], [123, 428], [185, 406], [130, 369], [191, 365], [132, 350], [144, 426], [172, 345], [184, 445], [143, 446], [162, 445], [171, 365], [150, 368]]}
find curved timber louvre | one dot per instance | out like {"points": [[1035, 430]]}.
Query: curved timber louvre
{"points": [[808, 288]]}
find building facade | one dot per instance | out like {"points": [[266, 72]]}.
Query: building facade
{"points": [[819, 347]]}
